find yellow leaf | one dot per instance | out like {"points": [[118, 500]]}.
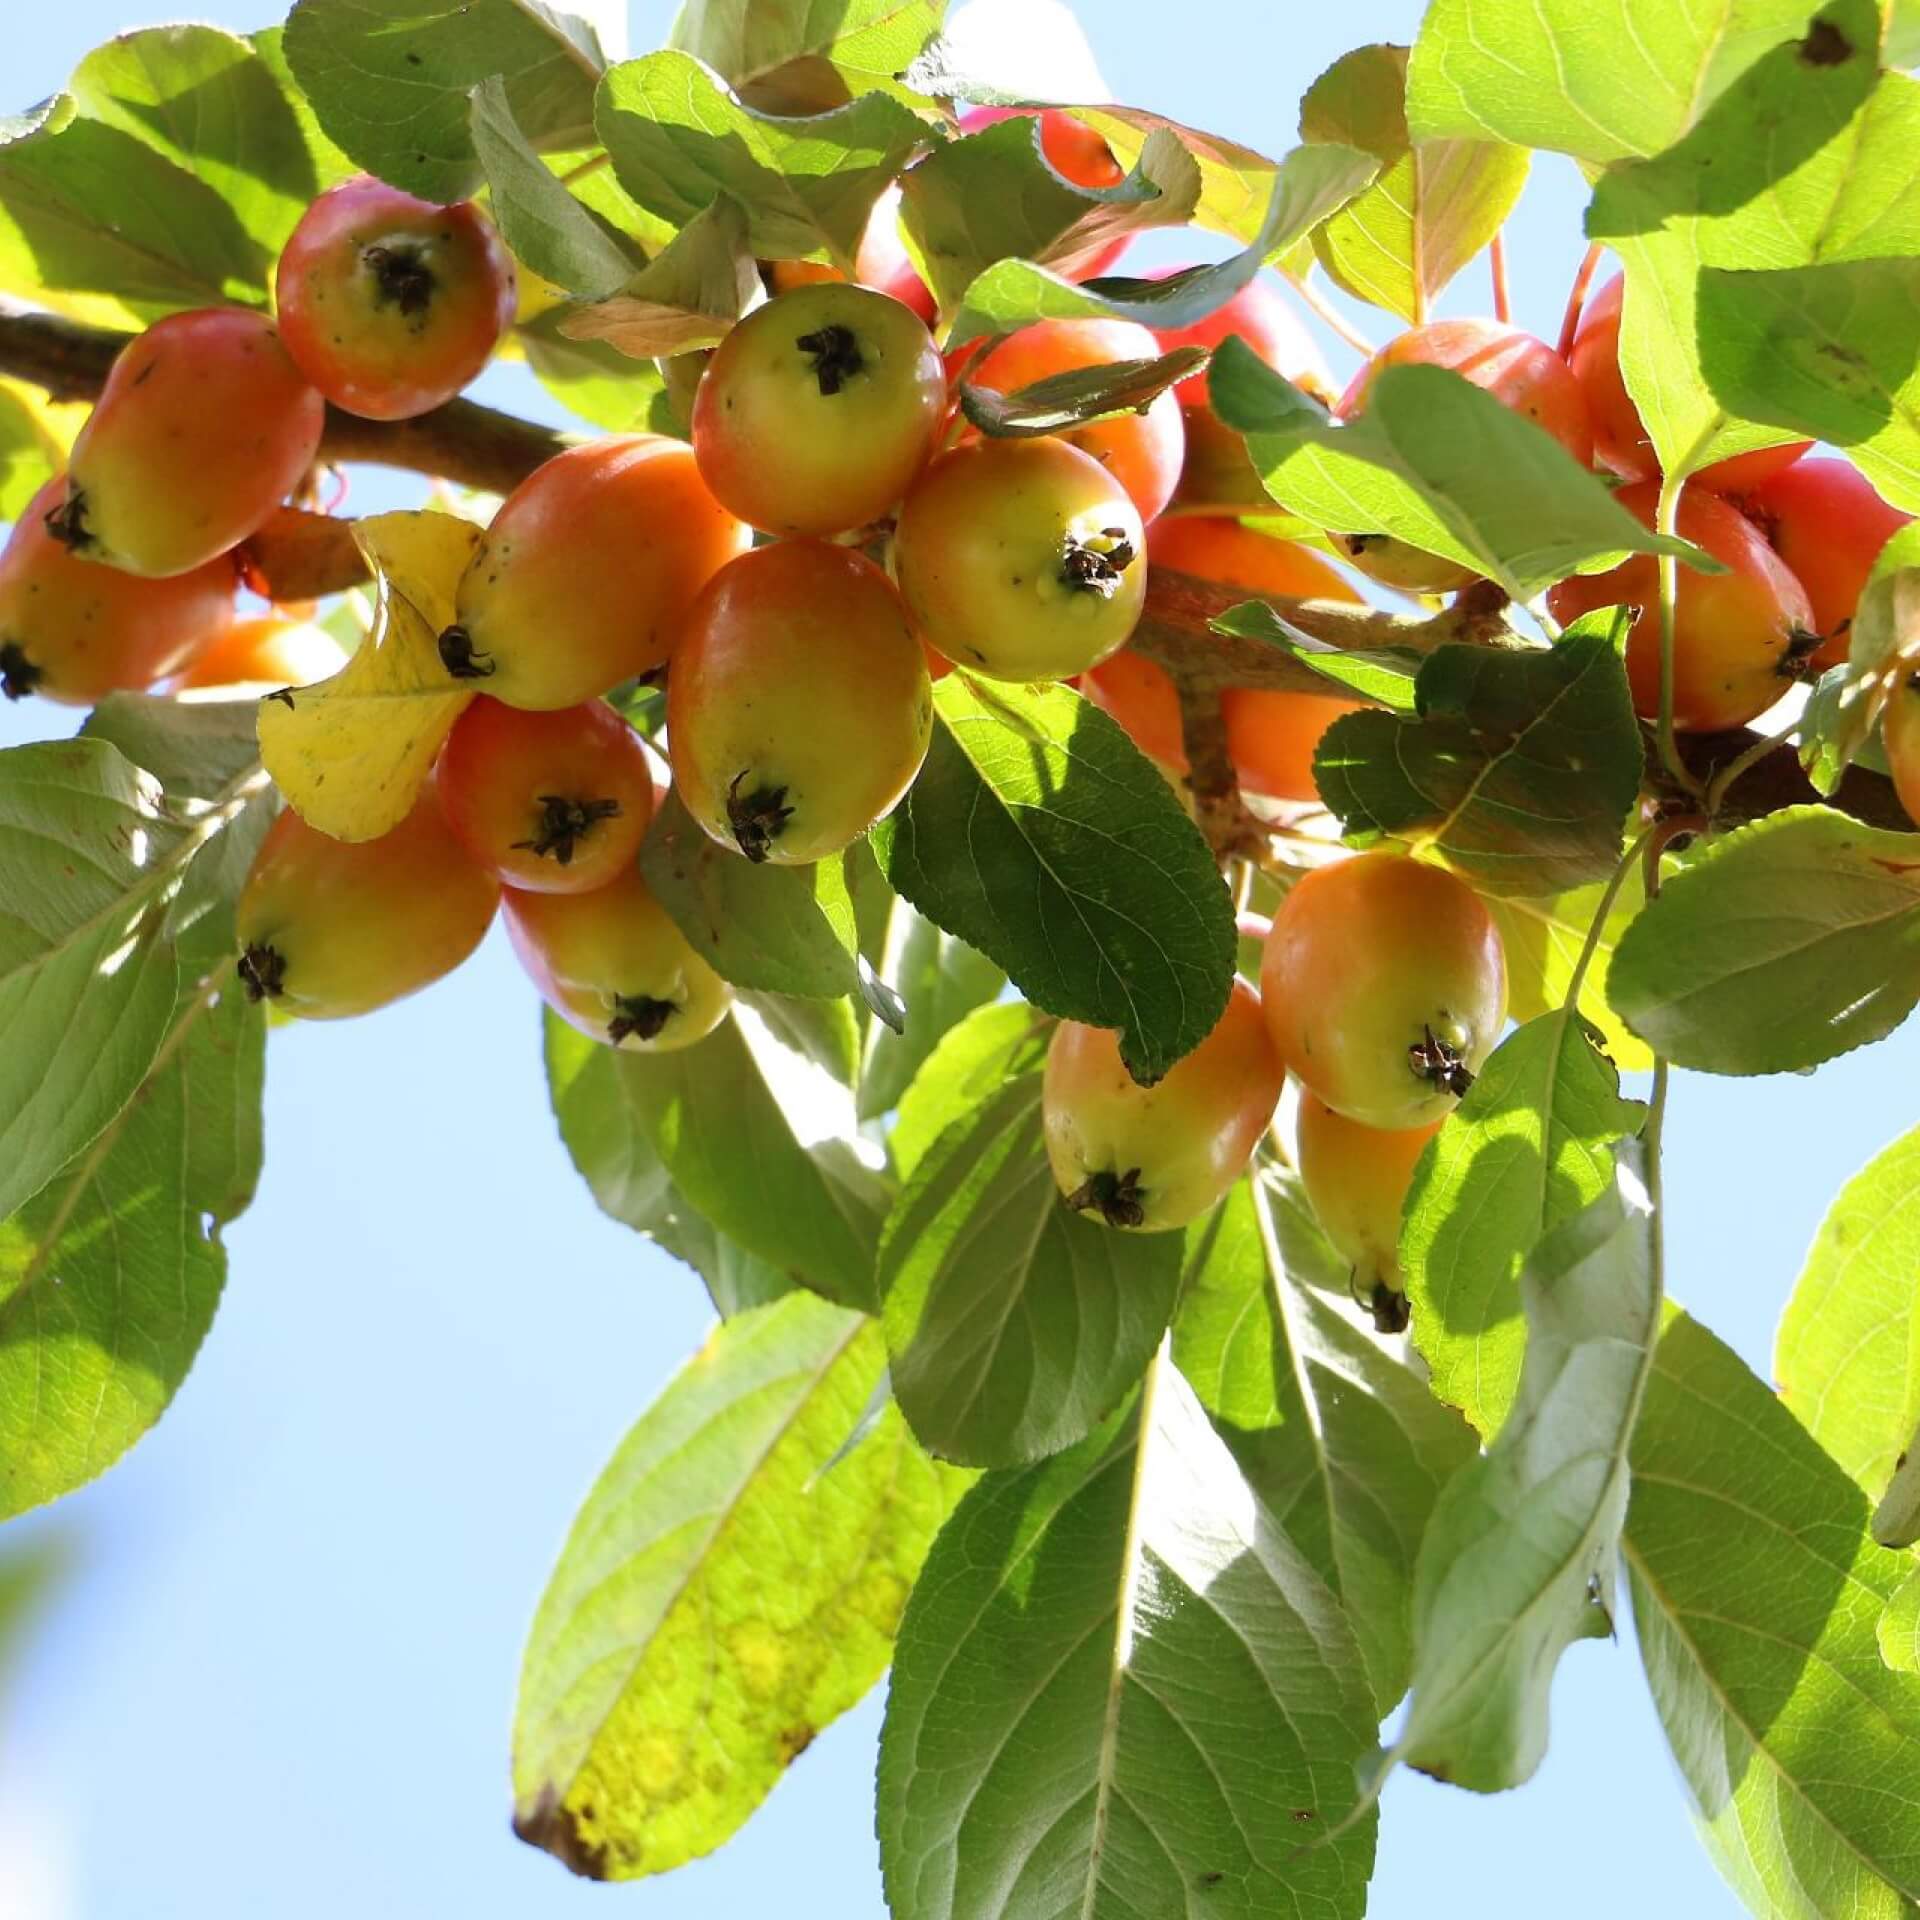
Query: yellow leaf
{"points": [[350, 753]]}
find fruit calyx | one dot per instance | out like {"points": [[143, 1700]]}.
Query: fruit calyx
{"points": [[564, 824], [638, 1014], [18, 675], [757, 819], [401, 277], [460, 658], [68, 522], [1094, 563], [835, 353], [1440, 1063], [263, 969], [1118, 1198]]}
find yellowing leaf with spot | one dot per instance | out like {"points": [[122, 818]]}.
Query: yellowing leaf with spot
{"points": [[732, 1584], [350, 753]]}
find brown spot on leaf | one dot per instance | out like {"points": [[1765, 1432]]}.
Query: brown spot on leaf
{"points": [[1825, 46], [794, 1741], [554, 1828]]}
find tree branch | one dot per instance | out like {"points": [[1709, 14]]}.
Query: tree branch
{"points": [[471, 445], [303, 556]]}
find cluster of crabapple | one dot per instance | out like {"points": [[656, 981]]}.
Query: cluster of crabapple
{"points": [[833, 539]]}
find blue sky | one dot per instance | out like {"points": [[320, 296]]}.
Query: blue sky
{"points": [[280, 1681]]}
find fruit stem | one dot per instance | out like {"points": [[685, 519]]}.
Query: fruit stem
{"points": [[1598, 925], [1502, 293], [1665, 518], [1577, 297], [1319, 305], [1722, 782]]}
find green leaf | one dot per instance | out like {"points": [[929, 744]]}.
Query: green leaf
{"points": [[677, 140], [205, 100], [1120, 1690], [1518, 1562], [1782, 944], [1039, 834], [1527, 1149], [779, 929], [1385, 675], [1784, 170], [1434, 461], [942, 980], [1847, 1355], [390, 83], [807, 58], [1599, 79], [1081, 394], [90, 853], [1308, 185], [1757, 1597], [1519, 768], [721, 1596], [1543, 939], [1832, 352], [1014, 1324], [551, 233], [29, 455], [329, 163], [686, 298], [726, 1139], [992, 196], [1344, 1446], [95, 221], [601, 1125], [597, 381], [976, 1059], [1435, 204], [109, 1276], [1899, 1628], [198, 750]]}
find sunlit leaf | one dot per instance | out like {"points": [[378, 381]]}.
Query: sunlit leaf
{"points": [[722, 1595], [687, 297], [350, 753], [1120, 1690]]}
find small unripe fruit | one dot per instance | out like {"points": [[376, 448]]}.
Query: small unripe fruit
{"points": [[1153, 1158], [1260, 317], [1143, 451], [389, 304], [613, 964], [331, 928], [1140, 694], [1734, 633], [257, 656], [1385, 986], [1356, 1179], [818, 409], [586, 572], [882, 263], [1900, 733], [550, 802], [204, 426], [75, 633], [1825, 520], [1021, 559], [1621, 443], [799, 705]]}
